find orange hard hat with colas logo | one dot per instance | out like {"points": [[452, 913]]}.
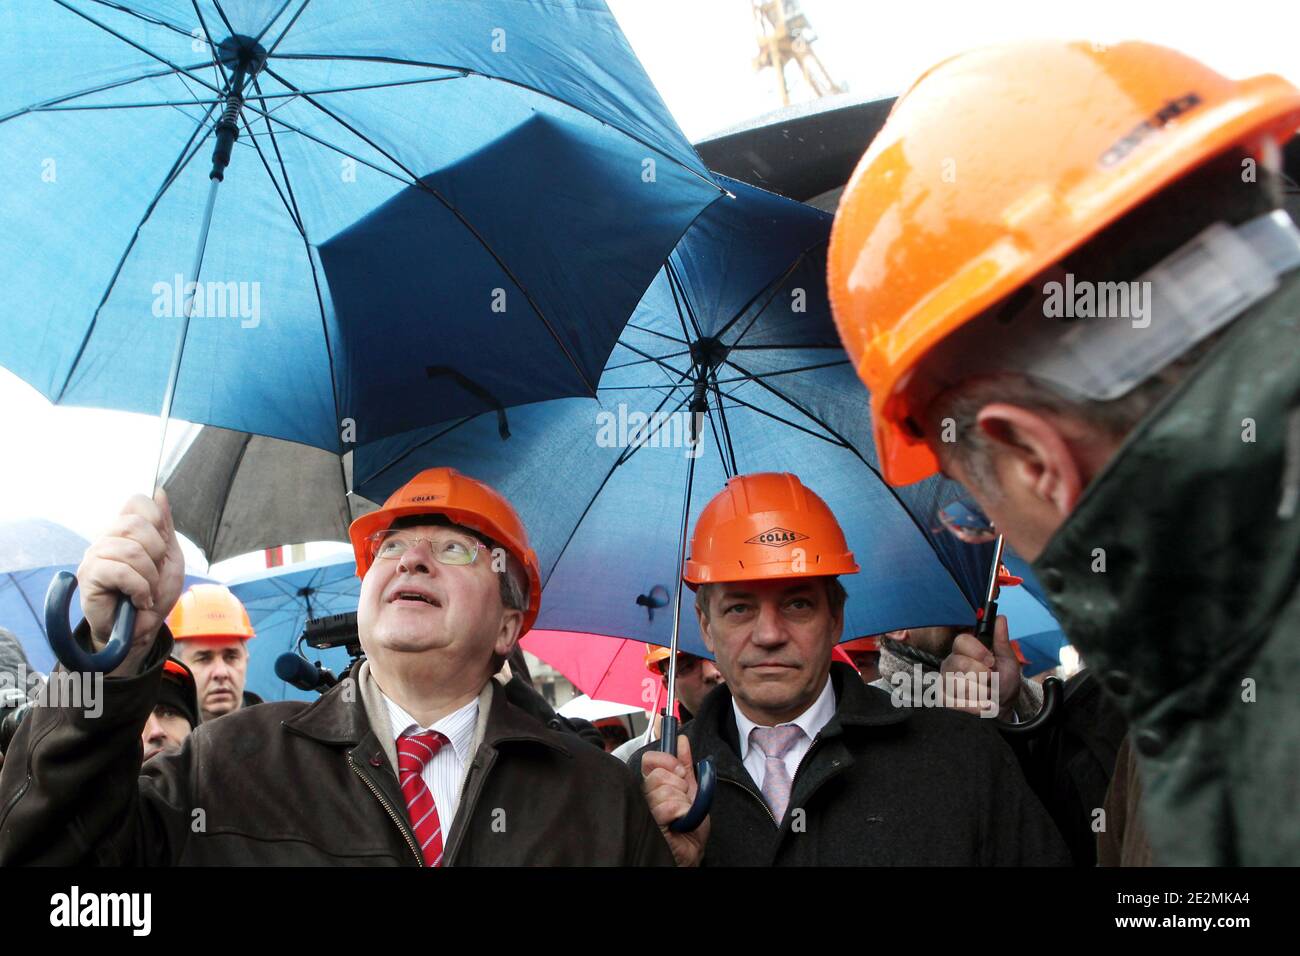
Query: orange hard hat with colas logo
{"points": [[766, 526], [464, 501], [994, 166], [209, 611]]}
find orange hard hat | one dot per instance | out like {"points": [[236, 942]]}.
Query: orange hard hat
{"points": [[209, 611], [466, 502], [994, 166], [654, 653], [763, 526]]}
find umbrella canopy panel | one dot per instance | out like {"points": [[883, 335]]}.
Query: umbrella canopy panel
{"points": [[519, 146]]}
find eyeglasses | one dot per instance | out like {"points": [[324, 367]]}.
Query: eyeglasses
{"points": [[454, 549]]}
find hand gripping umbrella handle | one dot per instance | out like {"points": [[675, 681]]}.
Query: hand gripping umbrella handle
{"points": [[58, 599], [705, 777]]}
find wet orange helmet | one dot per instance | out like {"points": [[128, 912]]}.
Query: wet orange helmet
{"points": [[765, 526], [465, 501], [209, 611], [995, 165]]}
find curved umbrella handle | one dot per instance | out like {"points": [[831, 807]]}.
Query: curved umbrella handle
{"points": [[706, 777], [58, 599], [1053, 693]]}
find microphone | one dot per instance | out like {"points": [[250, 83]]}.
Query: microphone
{"points": [[303, 674]]}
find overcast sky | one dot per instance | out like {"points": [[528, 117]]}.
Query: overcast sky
{"points": [[76, 466]]}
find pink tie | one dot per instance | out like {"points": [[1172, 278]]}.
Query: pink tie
{"points": [[775, 743], [413, 752]]}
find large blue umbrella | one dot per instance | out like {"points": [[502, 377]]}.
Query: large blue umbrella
{"points": [[737, 321], [419, 200]]}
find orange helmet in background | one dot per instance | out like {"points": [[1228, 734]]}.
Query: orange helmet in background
{"points": [[766, 526], [209, 611], [654, 653], [995, 165], [466, 502]]}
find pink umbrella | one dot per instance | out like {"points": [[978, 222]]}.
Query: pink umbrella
{"points": [[602, 667], [606, 668]]}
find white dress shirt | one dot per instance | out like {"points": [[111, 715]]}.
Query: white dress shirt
{"points": [[811, 721], [444, 775]]}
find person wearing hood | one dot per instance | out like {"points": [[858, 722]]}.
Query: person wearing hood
{"points": [[1102, 350]]}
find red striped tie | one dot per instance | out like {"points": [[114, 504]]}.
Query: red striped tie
{"points": [[413, 752]]}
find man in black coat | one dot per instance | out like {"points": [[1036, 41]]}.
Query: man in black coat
{"points": [[814, 767]]}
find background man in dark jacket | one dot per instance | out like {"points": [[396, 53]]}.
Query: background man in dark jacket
{"points": [[418, 759], [1138, 438], [814, 766]]}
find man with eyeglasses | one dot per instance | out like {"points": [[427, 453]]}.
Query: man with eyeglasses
{"points": [[417, 759]]}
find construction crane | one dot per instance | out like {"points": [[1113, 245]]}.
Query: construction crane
{"points": [[784, 34]]}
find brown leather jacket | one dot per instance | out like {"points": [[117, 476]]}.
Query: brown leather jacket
{"points": [[293, 783]]}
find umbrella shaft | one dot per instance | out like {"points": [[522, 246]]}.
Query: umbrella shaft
{"points": [[170, 394], [671, 745]]}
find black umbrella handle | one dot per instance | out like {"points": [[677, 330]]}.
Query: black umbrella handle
{"points": [[58, 599], [1053, 693], [706, 779]]}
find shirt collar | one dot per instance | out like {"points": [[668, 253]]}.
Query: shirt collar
{"points": [[458, 726], [811, 721]]}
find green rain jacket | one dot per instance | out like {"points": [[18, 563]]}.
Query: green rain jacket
{"points": [[1194, 623]]}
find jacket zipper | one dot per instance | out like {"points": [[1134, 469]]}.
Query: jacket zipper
{"points": [[387, 806], [763, 802]]}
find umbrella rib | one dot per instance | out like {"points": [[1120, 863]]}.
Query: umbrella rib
{"points": [[785, 421], [502, 79], [656, 359], [224, 18], [216, 60], [274, 182], [410, 451], [663, 335], [188, 152], [482, 240], [642, 361], [774, 286], [674, 277], [288, 26], [295, 94], [140, 16], [243, 449], [782, 371], [296, 215], [125, 106], [785, 346], [144, 50], [727, 470], [283, 7], [793, 404], [45, 104], [622, 459], [726, 429], [39, 618]]}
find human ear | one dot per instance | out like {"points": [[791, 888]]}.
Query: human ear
{"points": [[1036, 457]]}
